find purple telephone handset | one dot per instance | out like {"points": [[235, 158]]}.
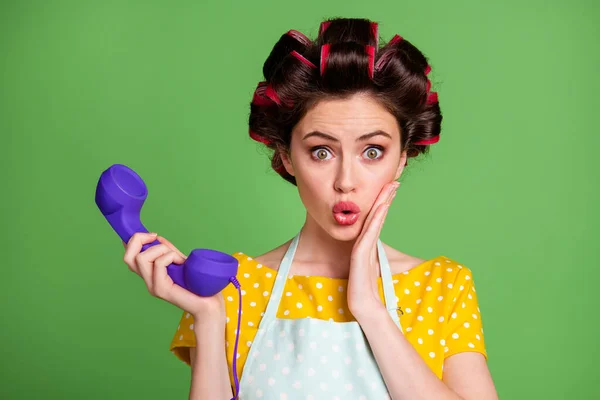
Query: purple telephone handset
{"points": [[120, 195]]}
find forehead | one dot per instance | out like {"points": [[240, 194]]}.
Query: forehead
{"points": [[353, 116]]}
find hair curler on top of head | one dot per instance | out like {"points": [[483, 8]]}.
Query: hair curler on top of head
{"points": [[345, 58]]}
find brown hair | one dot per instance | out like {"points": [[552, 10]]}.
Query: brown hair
{"points": [[339, 63]]}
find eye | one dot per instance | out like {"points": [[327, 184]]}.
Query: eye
{"points": [[319, 153], [372, 152]]}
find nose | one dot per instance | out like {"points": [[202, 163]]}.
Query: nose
{"points": [[345, 180]]}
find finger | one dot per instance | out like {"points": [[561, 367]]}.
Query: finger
{"points": [[372, 231], [384, 195], [380, 222], [168, 243], [166, 289], [371, 234], [134, 246], [146, 259], [161, 281]]}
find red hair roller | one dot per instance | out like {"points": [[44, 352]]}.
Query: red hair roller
{"points": [[432, 98], [397, 38], [324, 55], [272, 94], [432, 140], [388, 54], [258, 138], [259, 97], [323, 27], [303, 59], [299, 36]]}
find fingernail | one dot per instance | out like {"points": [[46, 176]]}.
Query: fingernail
{"points": [[153, 234]]}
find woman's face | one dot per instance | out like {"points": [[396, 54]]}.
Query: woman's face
{"points": [[344, 150]]}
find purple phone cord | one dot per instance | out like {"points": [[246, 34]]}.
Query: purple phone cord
{"points": [[237, 336]]}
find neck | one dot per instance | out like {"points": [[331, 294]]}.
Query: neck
{"points": [[317, 247]]}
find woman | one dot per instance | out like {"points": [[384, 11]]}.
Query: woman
{"points": [[334, 312]]}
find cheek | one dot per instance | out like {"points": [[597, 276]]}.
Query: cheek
{"points": [[376, 186], [312, 190]]}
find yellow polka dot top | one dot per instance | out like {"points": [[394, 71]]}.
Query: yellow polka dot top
{"points": [[438, 309]]}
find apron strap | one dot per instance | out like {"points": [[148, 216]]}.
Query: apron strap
{"points": [[388, 285], [282, 273], [279, 285]]}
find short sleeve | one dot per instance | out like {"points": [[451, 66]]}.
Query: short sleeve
{"points": [[184, 338], [464, 331]]}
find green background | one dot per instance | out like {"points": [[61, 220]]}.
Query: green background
{"points": [[164, 87]]}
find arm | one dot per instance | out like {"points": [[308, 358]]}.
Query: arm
{"points": [[405, 372], [210, 374]]}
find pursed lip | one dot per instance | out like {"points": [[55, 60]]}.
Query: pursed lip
{"points": [[346, 206]]}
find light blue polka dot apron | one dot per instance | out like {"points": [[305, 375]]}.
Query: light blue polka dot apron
{"points": [[313, 359]]}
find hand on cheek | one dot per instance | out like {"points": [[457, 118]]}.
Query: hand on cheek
{"points": [[363, 292]]}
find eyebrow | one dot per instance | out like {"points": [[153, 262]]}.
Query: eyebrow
{"points": [[362, 138]]}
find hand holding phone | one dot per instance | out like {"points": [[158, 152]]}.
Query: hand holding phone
{"points": [[120, 195]]}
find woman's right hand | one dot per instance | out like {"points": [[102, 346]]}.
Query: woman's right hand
{"points": [[151, 265]]}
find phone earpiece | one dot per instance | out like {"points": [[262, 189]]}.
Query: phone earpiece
{"points": [[120, 195]]}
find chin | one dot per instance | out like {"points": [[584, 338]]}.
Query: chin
{"points": [[344, 233]]}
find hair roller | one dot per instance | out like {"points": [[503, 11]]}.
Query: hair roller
{"points": [[427, 69], [396, 39], [258, 137], [385, 57], [259, 98], [375, 33], [323, 27], [303, 59], [324, 55], [432, 140], [432, 98], [272, 94], [299, 36]]}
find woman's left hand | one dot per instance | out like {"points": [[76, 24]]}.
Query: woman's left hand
{"points": [[363, 291]]}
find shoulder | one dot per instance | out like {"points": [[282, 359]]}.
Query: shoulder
{"points": [[266, 262], [446, 268], [401, 262], [270, 259]]}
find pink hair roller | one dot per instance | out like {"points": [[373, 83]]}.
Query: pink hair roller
{"points": [[432, 140], [324, 55], [323, 27], [271, 94], [258, 138], [259, 97], [383, 60], [299, 36], [303, 59], [432, 98]]}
